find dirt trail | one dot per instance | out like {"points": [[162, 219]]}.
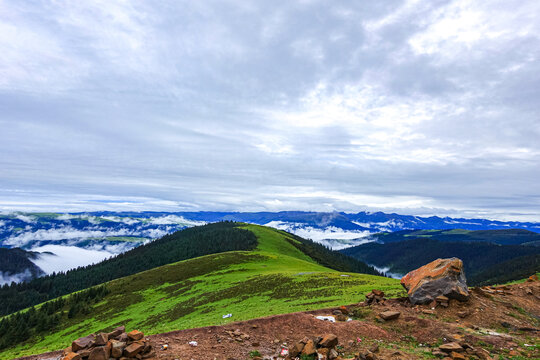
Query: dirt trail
{"points": [[505, 321]]}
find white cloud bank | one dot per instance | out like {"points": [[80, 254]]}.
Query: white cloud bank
{"points": [[67, 257], [330, 236], [6, 278]]}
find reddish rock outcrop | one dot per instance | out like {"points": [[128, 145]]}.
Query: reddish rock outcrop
{"points": [[106, 346], [440, 277]]}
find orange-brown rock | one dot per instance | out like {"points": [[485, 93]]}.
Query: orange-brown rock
{"points": [[67, 350], [72, 356], [451, 347], [483, 354], [117, 348], [309, 349], [533, 278], [296, 349], [457, 356], [133, 349], [135, 335], [439, 277], [328, 341]]}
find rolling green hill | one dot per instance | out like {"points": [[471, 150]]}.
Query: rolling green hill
{"points": [[276, 277], [181, 245]]}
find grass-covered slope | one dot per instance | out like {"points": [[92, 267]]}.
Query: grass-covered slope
{"points": [[181, 245], [276, 277]]}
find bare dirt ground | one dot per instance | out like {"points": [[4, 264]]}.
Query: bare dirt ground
{"points": [[504, 321]]}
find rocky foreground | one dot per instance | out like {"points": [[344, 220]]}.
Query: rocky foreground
{"points": [[495, 323]]}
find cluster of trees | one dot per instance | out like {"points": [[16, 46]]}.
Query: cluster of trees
{"points": [[483, 262], [22, 325], [181, 245], [517, 268], [14, 261], [501, 237], [331, 259]]}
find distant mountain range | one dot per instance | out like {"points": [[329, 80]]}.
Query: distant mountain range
{"points": [[78, 239]]}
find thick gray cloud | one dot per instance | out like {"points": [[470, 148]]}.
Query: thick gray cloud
{"points": [[417, 107]]}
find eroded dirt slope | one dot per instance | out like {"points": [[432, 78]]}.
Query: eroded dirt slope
{"points": [[503, 321]]}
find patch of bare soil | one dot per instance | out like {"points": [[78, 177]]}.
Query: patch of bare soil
{"points": [[496, 323]]}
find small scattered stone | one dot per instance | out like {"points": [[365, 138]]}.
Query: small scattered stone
{"points": [[438, 353], [99, 353], [133, 349], [135, 335], [82, 343], [101, 339], [457, 356], [389, 315], [117, 348], [84, 353], [72, 356], [296, 349], [332, 354], [309, 349], [452, 346], [328, 341], [116, 332]]}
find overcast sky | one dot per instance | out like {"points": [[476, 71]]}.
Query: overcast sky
{"points": [[419, 107]]}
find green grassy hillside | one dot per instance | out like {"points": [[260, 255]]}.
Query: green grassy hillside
{"points": [[274, 278], [181, 245]]}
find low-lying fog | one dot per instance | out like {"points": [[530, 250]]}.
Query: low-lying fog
{"points": [[67, 257]]}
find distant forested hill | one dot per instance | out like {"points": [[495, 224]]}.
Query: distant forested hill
{"points": [[16, 264], [502, 237], [484, 262]]}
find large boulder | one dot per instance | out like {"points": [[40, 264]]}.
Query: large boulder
{"points": [[439, 277]]}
